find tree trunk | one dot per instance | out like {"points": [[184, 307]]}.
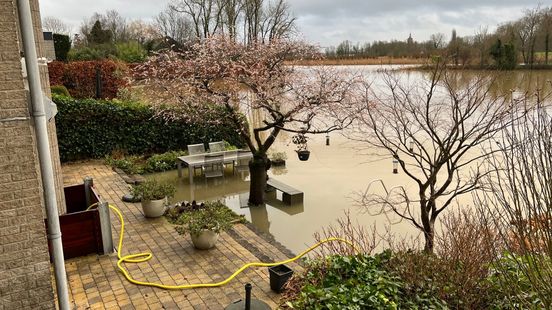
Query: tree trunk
{"points": [[429, 235], [257, 186], [428, 227], [546, 48]]}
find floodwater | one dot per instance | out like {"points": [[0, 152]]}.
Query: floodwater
{"points": [[329, 179]]}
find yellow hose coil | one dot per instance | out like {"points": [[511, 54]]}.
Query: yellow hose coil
{"points": [[142, 257]]}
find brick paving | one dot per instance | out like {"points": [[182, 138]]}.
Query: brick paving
{"points": [[96, 283]]}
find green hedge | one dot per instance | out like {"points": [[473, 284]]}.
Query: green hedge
{"points": [[88, 128]]}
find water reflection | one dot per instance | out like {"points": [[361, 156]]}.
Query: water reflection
{"points": [[234, 189], [330, 176]]}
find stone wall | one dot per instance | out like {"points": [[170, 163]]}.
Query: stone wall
{"points": [[25, 279]]}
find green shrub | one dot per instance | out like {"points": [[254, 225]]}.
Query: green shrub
{"points": [[153, 190], [163, 162], [131, 52], [87, 54], [62, 46], [510, 286], [354, 282], [213, 215], [90, 128], [129, 164], [60, 90]]}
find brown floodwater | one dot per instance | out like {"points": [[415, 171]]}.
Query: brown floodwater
{"points": [[329, 179]]}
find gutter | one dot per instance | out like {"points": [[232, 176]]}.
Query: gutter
{"points": [[43, 147]]}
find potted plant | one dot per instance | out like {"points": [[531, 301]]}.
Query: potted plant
{"points": [[153, 196], [279, 275], [205, 223], [300, 140], [278, 158]]}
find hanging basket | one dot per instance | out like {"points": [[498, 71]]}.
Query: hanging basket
{"points": [[303, 155]]}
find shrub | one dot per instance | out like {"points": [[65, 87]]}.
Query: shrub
{"points": [[163, 162], [86, 53], [131, 52], [62, 45], [153, 190], [509, 285], [80, 77], [129, 164], [93, 129], [354, 282], [213, 215], [60, 90]]}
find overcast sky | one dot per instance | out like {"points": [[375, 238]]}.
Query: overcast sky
{"points": [[328, 22]]}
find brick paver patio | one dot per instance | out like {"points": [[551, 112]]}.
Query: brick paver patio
{"points": [[95, 282]]}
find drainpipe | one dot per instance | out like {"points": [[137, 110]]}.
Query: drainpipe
{"points": [[43, 146]]}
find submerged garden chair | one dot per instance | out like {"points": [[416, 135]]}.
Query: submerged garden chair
{"points": [[213, 166], [196, 149], [241, 164], [217, 146]]}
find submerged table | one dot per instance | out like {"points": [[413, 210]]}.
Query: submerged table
{"points": [[193, 161]]}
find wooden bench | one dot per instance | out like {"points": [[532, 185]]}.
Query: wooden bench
{"points": [[290, 195]]}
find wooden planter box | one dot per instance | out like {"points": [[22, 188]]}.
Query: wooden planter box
{"points": [[84, 232]]}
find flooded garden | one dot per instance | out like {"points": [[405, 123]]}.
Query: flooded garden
{"points": [[331, 179]]}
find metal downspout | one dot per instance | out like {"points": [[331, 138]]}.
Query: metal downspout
{"points": [[43, 147]]}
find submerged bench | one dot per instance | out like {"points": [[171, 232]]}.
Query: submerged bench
{"points": [[290, 195]]}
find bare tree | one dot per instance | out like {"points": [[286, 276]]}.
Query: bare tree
{"points": [[432, 130], [111, 20], [517, 201], [231, 14], [278, 21], [141, 32], [55, 25], [481, 41], [545, 29], [171, 23], [437, 40], [253, 14], [117, 24], [526, 32], [205, 15]]}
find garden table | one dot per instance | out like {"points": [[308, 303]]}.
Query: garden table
{"points": [[193, 161]]}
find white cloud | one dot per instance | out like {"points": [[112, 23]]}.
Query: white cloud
{"points": [[329, 22]]}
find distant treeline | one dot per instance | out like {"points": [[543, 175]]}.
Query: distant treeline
{"points": [[526, 40]]}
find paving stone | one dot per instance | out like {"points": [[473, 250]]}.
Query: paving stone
{"points": [[95, 282]]}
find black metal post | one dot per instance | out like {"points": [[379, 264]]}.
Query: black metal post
{"points": [[248, 296]]}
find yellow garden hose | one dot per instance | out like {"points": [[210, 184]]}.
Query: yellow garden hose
{"points": [[142, 257]]}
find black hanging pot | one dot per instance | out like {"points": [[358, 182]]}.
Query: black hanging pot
{"points": [[303, 155]]}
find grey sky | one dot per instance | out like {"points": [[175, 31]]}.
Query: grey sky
{"points": [[328, 22]]}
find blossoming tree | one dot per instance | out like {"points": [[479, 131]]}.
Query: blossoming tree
{"points": [[260, 80]]}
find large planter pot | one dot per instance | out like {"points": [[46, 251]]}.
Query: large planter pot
{"points": [[154, 208], [205, 239], [303, 155]]}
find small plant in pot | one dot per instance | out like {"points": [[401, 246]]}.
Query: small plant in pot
{"points": [[278, 158], [154, 196], [205, 224], [300, 141]]}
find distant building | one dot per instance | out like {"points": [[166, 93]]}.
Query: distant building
{"points": [[409, 41], [49, 48]]}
